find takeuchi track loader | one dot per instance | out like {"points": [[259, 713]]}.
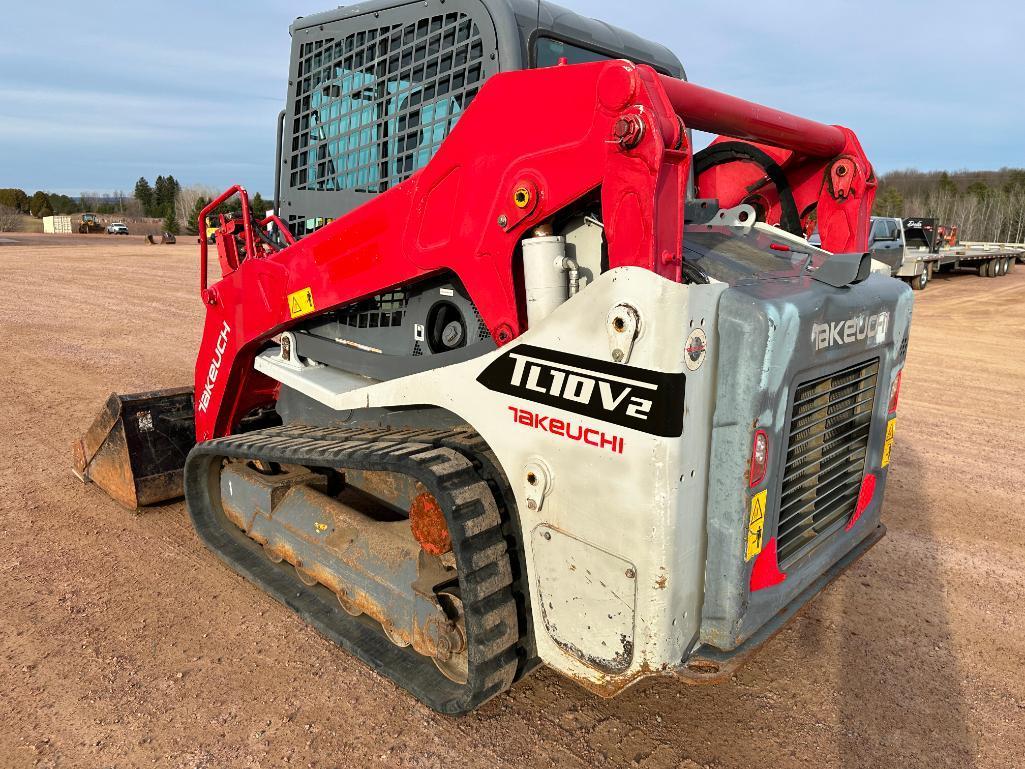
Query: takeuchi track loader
{"points": [[546, 386]]}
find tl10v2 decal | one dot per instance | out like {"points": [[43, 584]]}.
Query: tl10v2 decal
{"points": [[649, 401]]}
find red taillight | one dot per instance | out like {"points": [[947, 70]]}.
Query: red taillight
{"points": [[868, 490], [894, 393], [759, 457]]}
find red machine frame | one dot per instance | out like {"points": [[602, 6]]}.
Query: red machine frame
{"points": [[532, 143], [227, 241]]}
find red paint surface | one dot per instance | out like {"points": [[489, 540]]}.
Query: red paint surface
{"points": [[553, 130], [765, 572], [865, 494]]}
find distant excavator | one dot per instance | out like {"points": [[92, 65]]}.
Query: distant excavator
{"points": [[89, 224]]}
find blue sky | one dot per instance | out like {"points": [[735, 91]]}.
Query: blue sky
{"points": [[193, 88]]}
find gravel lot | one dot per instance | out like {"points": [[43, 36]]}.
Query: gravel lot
{"points": [[123, 642]]}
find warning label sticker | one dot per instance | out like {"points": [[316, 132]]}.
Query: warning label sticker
{"points": [[888, 443], [301, 302], [756, 525]]}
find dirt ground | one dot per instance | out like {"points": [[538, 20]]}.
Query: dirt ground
{"points": [[123, 642]]}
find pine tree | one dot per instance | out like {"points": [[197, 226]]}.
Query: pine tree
{"points": [[978, 189], [40, 202], [173, 187], [159, 197], [144, 194], [259, 205], [14, 198], [171, 222], [191, 226]]}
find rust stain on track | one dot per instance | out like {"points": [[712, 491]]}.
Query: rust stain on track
{"points": [[124, 642]]}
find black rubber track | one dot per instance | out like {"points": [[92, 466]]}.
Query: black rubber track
{"points": [[496, 644]]}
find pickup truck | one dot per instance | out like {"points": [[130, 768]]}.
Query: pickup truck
{"points": [[907, 246], [913, 249]]}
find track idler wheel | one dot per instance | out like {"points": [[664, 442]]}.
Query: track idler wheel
{"points": [[455, 666]]}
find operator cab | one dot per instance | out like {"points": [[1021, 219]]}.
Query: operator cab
{"points": [[375, 88]]}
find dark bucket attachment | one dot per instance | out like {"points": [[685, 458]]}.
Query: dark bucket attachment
{"points": [[136, 449]]}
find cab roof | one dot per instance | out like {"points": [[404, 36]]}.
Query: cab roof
{"points": [[518, 23]]}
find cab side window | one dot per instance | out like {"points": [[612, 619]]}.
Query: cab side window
{"points": [[879, 230], [548, 52]]}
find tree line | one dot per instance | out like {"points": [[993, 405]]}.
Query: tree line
{"points": [[165, 199], [985, 205], [38, 205]]}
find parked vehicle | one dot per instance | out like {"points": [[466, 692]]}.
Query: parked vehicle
{"points": [[89, 224], [916, 247], [117, 228]]}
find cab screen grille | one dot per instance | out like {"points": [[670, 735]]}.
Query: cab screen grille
{"points": [[372, 107]]}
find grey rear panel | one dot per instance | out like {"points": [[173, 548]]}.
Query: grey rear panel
{"points": [[767, 361], [374, 88]]}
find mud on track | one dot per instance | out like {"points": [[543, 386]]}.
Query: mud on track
{"points": [[123, 642]]}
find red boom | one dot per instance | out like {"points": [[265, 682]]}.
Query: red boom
{"points": [[706, 110], [531, 144]]}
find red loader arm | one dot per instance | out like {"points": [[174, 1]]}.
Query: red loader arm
{"points": [[795, 172], [531, 143]]}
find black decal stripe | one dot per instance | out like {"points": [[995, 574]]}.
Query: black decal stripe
{"points": [[666, 393]]}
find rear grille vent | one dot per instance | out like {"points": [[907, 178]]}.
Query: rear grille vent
{"points": [[826, 453]]}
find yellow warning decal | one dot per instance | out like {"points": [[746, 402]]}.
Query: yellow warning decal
{"points": [[301, 302], [888, 443], [756, 525]]}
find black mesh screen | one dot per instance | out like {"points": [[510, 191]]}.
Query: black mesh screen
{"points": [[381, 311], [373, 107]]}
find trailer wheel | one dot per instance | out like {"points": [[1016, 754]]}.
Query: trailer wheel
{"points": [[1005, 266], [919, 282]]}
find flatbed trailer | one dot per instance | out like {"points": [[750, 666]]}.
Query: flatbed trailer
{"points": [[991, 260], [1018, 247]]}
